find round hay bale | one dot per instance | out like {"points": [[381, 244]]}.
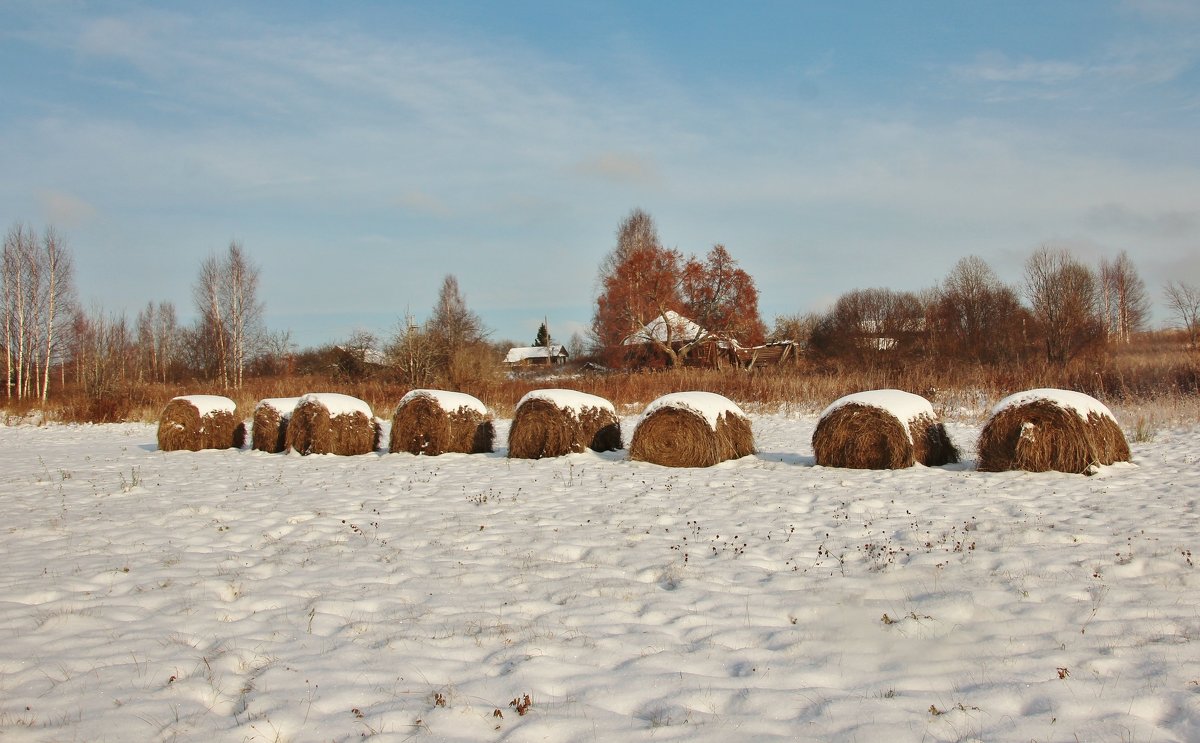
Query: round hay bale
{"points": [[691, 429], [1049, 429], [551, 423], [434, 422], [330, 423], [271, 415], [881, 429], [195, 422]]}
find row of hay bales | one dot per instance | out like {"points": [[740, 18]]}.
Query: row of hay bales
{"points": [[691, 429], [315, 423], [1038, 430]]}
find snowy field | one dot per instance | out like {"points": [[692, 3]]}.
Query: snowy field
{"points": [[234, 595]]}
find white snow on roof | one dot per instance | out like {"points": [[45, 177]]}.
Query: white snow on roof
{"points": [[569, 400], [209, 403], [338, 404], [905, 406], [1067, 399], [366, 355], [525, 353], [707, 405], [281, 405], [682, 329], [373, 356], [449, 401]]}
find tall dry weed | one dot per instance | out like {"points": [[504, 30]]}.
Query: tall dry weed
{"points": [[1155, 378]]}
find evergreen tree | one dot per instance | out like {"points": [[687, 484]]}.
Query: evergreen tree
{"points": [[543, 337]]}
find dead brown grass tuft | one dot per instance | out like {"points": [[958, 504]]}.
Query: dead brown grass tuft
{"points": [[676, 437], [312, 430], [1040, 436], [542, 429], [181, 428], [421, 426]]}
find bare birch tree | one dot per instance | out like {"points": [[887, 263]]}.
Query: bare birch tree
{"points": [[10, 274], [145, 324], [1183, 299], [226, 296], [207, 295], [156, 329], [57, 301], [239, 291], [412, 352], [104, 352], [38, 293], [1125, 304], [165, 331], [19, 248]]}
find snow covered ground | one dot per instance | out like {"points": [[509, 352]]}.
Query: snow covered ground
{"points": [[235, 595]]}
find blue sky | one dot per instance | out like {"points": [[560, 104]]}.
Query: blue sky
{"points": [[361, 151]]}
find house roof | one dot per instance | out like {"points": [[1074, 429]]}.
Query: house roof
{"points": [[681, 329], [525, 353], [365, 355]]}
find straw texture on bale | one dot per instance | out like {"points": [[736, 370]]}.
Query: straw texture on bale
{"points": [[866, 437], [542, 429], [932, 446], [182, 428], [422, 426], [677, 437], [269, 432], [1040, 436], [312, 430]]}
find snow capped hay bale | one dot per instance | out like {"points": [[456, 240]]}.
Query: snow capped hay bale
{"points": [[691, 429], [551, 423], [434, 422], [1048, 429], [195, 422], [329, 423], [270, 424], [881, 429]]}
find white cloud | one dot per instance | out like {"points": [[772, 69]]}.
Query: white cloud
{"points": [[65, 209], [1169, 224], [993, 67], [144, 40], [1166, 10], [419, 202], [619, 167], [1124, 67]]}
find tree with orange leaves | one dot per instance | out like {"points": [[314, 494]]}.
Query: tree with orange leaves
{"points": [[641, 282], [722, 298]]}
